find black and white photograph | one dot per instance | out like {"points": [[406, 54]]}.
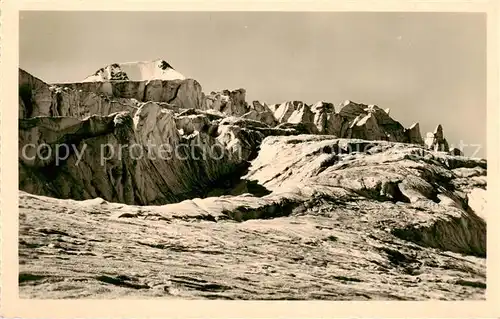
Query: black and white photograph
{"points": [[252, 155]]}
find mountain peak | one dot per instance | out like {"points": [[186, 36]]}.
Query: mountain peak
{"points": [[136, 71]]}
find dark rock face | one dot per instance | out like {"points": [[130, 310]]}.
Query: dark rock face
{"points": [[352, 121], [165, 65], [277, 196], [455, 151], [413, 134], [35, 97]]}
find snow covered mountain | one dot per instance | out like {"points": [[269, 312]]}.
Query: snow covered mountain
{"points": [[136, 71]]}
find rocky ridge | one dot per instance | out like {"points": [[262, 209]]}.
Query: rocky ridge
{"points": [[292, 201]]}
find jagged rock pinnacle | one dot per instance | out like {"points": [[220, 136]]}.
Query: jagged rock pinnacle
{"points": [[136, 71]]}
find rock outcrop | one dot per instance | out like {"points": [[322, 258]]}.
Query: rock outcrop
{"points": [[133, 161], [321, 111], [413, 134], [231, 103], [80, 100], [353, 120], [35, 96], [261, 112], [296, 112], [368, 122]]}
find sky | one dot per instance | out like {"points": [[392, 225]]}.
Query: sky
{"points": [[426, 67]]}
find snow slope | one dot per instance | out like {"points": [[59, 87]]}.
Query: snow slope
{"points": [[136, 71]]}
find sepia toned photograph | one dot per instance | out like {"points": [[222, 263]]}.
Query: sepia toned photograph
{"points": [[238, 155]]}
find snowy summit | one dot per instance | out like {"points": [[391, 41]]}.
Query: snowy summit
{"points": [[136, 71]]}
